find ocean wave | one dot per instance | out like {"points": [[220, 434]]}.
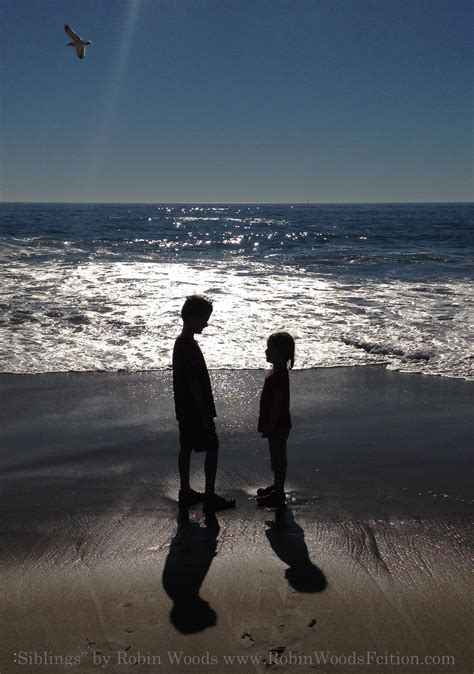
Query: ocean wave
{"points": [[100, 287], [387, 350], [124, 316]]}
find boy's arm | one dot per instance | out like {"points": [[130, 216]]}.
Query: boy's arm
{"points": [[195, 388], [183, 375], [186, 369]]}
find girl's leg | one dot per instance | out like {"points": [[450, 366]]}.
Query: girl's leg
{"points": [[277, 446]]}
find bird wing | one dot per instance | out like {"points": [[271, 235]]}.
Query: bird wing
{"points": [[73, 35], [81, 51]]}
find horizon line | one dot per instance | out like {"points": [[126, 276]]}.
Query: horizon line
{"points": [[235, 203]]}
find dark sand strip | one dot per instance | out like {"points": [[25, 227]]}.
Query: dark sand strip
{"points": [[371, 554]]}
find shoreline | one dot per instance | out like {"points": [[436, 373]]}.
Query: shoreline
{"points": [[314, 368]]}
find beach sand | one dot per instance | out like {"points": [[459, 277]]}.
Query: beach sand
{"points": [[369, 560]]}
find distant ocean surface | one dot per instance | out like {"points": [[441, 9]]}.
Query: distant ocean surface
{"points": [[100, 287]]}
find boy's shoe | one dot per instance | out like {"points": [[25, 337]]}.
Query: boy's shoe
{"points": [[263, 491], [215, 502], [272, 500], [189, 498]]}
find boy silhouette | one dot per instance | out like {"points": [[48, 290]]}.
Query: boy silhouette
{"points": [[195, 409]]}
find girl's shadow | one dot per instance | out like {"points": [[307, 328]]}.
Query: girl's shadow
{"points": [[286, 537], [191, 553]]}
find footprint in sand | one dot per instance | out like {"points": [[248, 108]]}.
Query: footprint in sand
{"points": [[247, 639]]}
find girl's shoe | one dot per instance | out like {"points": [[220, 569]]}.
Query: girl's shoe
{"points": [[272, 500], [263, 491]]}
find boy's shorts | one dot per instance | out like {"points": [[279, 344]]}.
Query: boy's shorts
{"points": [[193, 435]]}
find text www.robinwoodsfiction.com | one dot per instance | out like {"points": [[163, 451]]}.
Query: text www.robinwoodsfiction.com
{"points": [[272, 657]]}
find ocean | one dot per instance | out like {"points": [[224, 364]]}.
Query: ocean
{"points": [[99, 287]]}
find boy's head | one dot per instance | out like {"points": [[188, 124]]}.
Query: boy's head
{"points": [[196, 312], [281, 345]]}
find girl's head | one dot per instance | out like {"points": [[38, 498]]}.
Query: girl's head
{"points": [[281, 348]]}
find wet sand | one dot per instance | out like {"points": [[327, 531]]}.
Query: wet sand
{"points": [[369, 556]]}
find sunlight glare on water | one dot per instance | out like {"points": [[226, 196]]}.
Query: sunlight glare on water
{"points": [[116, 315], [100, 287]]}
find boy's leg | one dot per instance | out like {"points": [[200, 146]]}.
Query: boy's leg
{"points": [[210, 463], [212, 501], [184, 465], [184, 457], [210, 470]]}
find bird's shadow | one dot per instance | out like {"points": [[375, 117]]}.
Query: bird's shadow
{"points": [[189, 558], [286, 538]]}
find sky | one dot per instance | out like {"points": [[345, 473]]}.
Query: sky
{"points": [[273, 101]]}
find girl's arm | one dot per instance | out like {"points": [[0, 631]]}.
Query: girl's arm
{"points": [[275, 409]]}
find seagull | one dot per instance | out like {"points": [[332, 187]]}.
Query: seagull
{"points": [[77, 42]]}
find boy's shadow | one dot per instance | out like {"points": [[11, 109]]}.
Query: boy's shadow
{"points": [[191, 553], [287, 540]]}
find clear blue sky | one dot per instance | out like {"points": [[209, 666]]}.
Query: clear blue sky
{"points": [[237, 100]]}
